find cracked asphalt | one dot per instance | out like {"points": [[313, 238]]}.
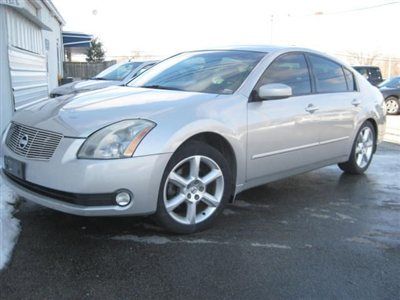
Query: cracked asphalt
{"points": [[318, 235]]}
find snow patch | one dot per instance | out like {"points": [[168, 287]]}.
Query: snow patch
{"points": [[161, 240], [320, 216], [228, 212], [271, 245], [158, 240], [9, 226]]}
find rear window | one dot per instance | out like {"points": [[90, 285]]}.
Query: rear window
{"points": [[329, 76], [375, 73], [351, 85]]}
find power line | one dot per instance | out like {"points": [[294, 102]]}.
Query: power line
{"points": [[354, 9]]}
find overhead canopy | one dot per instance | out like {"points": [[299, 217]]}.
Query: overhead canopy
{"points": [[76, 42]]}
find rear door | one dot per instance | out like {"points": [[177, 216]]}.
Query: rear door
{"points": [[283, 133], [338, 103]]}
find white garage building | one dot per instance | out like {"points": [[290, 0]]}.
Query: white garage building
{"points": [[31, 53]]}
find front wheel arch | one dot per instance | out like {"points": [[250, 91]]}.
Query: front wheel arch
{"points": [[221, 144]]}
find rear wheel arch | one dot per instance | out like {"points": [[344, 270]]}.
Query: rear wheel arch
{"points": [[375, 126]]}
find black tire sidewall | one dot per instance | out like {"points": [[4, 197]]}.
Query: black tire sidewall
{"points": [[352, 159], [185, 151]]}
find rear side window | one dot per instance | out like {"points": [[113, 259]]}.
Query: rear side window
{"points": [[290, 69], [329, 77], [351, 85]]}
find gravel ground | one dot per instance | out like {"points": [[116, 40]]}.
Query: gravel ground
{"points": [[318, 235]]}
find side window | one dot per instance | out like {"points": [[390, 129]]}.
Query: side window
{"points": [[351, 85], [329, 77], [290, 69]]}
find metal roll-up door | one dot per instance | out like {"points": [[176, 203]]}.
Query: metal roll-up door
{"points": [[28, 64], [28, 77]]}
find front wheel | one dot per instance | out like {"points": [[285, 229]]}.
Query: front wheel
{"points": [[362, 151], [196, 186]]}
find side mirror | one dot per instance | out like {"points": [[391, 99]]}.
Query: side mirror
{"points": [[274, 91]]}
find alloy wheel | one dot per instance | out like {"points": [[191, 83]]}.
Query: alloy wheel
{"points": [[193, 190], [392, 106], [364, 147]]}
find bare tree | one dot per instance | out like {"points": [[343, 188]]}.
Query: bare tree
{"points": [[362, 58]]}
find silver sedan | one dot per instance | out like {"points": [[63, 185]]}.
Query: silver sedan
{"points": [[182, 139]]}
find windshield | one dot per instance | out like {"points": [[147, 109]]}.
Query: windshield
{"points": [[217, 72], [391, 83], [118, 71]]}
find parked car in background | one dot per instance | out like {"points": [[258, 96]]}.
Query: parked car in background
{"points": [[371, 73], [182, 139], [390, 89], [118, 74]]}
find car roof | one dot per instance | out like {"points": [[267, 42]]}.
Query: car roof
{"points": [[140, 61], [375, 67], [267, 49], [255, 48]]}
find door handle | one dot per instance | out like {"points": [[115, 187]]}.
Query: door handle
{"points": [[311, 108], [356, 102]]}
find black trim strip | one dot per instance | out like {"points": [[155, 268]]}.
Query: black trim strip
{"points": [[73, 198]]}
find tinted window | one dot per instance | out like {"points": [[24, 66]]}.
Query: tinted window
{"points": [[118, 71], [375, 73], [350, 80], [361, 70], [218, 72], [290, 69], [329, 77]]}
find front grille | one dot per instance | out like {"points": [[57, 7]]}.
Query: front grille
{"points": [[31, 142]]}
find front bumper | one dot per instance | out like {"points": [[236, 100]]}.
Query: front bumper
{"points": [[65, 174]]}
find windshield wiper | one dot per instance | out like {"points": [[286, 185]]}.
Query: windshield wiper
{"points": [[159, 87], [98, 78]]}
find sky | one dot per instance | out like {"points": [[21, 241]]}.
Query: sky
{"points": [[162, 28]]}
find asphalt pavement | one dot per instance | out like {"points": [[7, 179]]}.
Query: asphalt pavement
{"points": [[319, 235]]}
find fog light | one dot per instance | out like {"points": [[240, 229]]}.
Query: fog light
{"points": [[123, 198]]}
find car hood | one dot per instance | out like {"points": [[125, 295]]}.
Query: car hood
{"points": [[385, 88], [82, 114], [83, 86]]}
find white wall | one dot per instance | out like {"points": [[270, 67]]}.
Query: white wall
{"points": [[6, 103], [54, 53], [55, 43]]}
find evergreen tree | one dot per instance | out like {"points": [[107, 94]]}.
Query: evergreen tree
{"points": [[96, 52]]}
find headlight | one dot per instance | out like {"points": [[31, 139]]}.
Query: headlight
{"points": [[118, 140]]}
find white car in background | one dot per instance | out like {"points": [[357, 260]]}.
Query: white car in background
{"points": [[118, 74]]}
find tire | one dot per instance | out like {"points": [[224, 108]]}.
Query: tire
{"points": [[392, 105], [362, 151], [182, 194]]}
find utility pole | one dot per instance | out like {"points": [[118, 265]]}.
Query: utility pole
{"points": [[271, 28], [390, 67]]}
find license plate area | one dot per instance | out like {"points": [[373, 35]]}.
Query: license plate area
{"points": [[14, 167]]}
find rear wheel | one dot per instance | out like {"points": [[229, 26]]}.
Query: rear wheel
{"points": [[362, 151], [196, 186], [392, 105]]}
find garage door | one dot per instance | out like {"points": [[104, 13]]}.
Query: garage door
{"points": [[28, 65], [28, 77]]}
